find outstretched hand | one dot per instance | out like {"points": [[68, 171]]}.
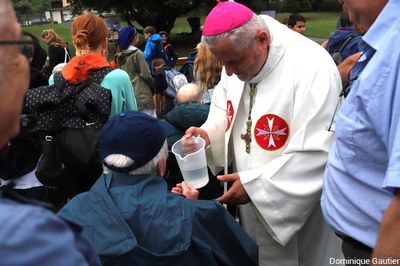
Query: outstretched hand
{"points": [[236, 194], [186, 190]]}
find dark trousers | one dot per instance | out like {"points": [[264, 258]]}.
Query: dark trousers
{"points": [[353, 249]]}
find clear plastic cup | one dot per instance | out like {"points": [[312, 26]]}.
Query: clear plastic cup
{"points": [[192, 161]]}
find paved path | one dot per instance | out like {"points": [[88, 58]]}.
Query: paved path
{"points": [[317, 39]]}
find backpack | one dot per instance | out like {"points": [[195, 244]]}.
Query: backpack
{"points": [[159, 52], [21, 154], [175, 80], [69, 118], [187, 68], [337, 55]]}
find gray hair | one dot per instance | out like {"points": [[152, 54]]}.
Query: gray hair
{"points": [[242, 36], [122, 161]]}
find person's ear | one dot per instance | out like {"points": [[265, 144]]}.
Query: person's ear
{"points": [[105, 44], [262, 37], [161, 166]]}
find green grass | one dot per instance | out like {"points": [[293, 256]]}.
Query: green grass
{"points": [[319, 24], [63, 29]]}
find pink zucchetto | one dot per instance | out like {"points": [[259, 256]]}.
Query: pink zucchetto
{"points": [[226, 16]]}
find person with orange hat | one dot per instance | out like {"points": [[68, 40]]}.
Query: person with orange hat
{"points": [[267, 122]]}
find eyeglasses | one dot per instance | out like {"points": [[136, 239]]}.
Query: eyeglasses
{"points": [[27, 42]]}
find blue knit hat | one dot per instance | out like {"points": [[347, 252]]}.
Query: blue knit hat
{"points": [[125, 36], [135, 135]]}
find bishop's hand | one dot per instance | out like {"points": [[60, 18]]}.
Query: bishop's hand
{"points": [[236, 194]]}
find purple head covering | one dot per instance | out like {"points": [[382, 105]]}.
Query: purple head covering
{"points": [[125, 36]]}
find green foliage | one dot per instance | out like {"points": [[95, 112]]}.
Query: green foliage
{"points": [[40, 6], [325, 5], [22, 7], [30, 6], [319, 24], [296, 6], [158, 13]]}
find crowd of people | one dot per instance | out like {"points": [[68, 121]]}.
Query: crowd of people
{"points": [[301, 152]]}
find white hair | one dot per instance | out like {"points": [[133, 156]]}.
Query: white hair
{"points": [[242, 36], [122, 161]]}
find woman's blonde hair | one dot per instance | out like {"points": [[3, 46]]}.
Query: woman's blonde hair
{"points": [[207, 69], [88, 33], [53, 38]]}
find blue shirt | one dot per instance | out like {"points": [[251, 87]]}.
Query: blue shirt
{"points": [[364, 162], [33, 236]]}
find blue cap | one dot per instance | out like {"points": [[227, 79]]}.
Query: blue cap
{"points": [[135, 135], [125, 36]]}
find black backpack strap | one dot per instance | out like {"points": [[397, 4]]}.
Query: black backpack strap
{"points": [[96, 77], [59, 82], [344, 44]]}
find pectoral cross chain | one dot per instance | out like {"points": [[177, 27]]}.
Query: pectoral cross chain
{"points": [[247, 137]]}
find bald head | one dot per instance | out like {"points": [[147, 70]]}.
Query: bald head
{"points": [[189, 93], [8, 21]]}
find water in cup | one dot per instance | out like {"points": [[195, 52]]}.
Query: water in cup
{"points": [[193, 164], [197, 178]]}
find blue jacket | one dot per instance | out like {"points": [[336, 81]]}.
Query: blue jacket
{"points": [[134, 220], [149, 49], [33, 236], [337, 38]]}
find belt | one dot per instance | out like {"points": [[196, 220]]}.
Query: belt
{"points": [[354, 243]]}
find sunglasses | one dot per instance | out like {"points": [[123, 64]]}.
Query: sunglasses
{"points": [[27, 43]]}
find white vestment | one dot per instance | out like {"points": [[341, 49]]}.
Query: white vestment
{"points": [[296, 95]]}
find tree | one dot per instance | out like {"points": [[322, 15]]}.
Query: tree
{"points": [[297, 6], [22, 7], [40, 6], [158, 13], [317, 4], [31, 6]]}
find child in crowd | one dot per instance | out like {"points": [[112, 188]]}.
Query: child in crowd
{"points": [[164, 103]]}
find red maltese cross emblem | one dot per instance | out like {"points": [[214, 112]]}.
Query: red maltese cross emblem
{"points": [[271, 132], [229, 114]]}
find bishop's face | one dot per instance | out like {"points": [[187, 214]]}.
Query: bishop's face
{"points": [[243, 62]]}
